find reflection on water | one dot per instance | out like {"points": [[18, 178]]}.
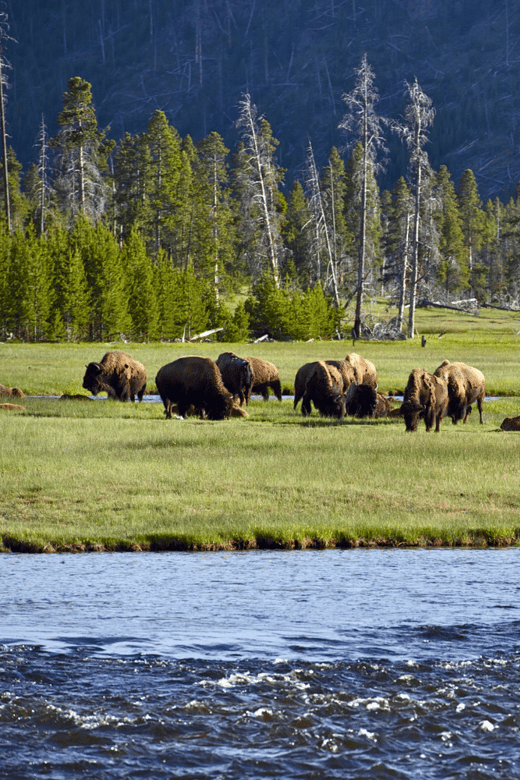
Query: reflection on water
{"points": [[337, 664]]}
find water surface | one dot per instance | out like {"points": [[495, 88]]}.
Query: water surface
{"points": [[336, 664]]}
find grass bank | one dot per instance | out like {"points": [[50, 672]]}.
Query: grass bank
{"points": [[110, 476]]}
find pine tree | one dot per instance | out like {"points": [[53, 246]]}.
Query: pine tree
{"points": [[143, 307], [213, 235], [109, 317], [83, 152], [297, 233], [397, 243], [366, 125], [131, 175], [70, 295], [475, 227], [162, 184], [29, 284], [453, 270]]}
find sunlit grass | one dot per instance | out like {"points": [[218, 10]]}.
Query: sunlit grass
{"points": [[105, 475]]}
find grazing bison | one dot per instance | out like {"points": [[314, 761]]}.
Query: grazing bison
{"points": [[364, 372], [194, 381], [511, 424], [361, 400], [11, 392], [465, 386], [237, 375], [383, 406], [265, 375], [322, 385], [425, 396], [119, 375]]}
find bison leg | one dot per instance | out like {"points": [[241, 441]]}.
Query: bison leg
{"points": [[277, 389]]}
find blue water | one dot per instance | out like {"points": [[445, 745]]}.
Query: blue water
{"points": [[336, 664]]}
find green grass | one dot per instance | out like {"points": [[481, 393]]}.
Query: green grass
{"points": [[110, 476]]}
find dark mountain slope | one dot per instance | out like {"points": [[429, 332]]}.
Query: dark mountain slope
{"points": [[193, 59]]}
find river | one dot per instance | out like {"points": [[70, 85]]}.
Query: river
{"points": [[303, 664]]}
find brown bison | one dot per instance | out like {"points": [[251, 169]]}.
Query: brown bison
{"points": [[119, 375], [11, 392], [322, 385], [511, 424], [361, 400], [364, 372], [465, 386], [237, 375], [265, 375], [194, 381], [425, 396]]}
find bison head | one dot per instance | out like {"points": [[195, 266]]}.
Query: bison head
{"points": [[411, 411], [91, 380]]}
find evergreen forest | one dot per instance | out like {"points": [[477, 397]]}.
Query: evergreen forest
{"points": [[161, 233]]}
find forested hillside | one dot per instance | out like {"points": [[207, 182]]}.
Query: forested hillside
{"points": [[194, 59], [255, 168]]}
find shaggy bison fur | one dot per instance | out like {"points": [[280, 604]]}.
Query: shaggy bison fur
{"points": [[425, 396], [265, 375], [321, 384], [465, 386], [511, 424], [361, 400], [237, 375], [363, 371], [194, 381], [119, 375], [11, 392]]}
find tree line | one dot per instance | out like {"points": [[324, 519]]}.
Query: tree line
{"points": [[155, 237]]}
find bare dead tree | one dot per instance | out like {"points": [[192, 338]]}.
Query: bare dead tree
{"points": [[260, 176], [419, 115], [367, 129], [322, 244], [4, 66]]}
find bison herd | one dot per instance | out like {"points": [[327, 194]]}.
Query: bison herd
{"points": [[217, 390]]}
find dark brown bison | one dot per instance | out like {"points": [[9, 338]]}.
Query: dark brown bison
{"points": [[237, 375], [194, 381], [265, 376], [119, 375], [361, 400], [511, 424], [322, 385], [426, 397], [465, 386]]}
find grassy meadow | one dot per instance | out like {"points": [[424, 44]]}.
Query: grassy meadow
{"points": [[103, 475]]}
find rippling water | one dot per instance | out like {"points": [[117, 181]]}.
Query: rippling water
{"points": [[303, 664]]}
